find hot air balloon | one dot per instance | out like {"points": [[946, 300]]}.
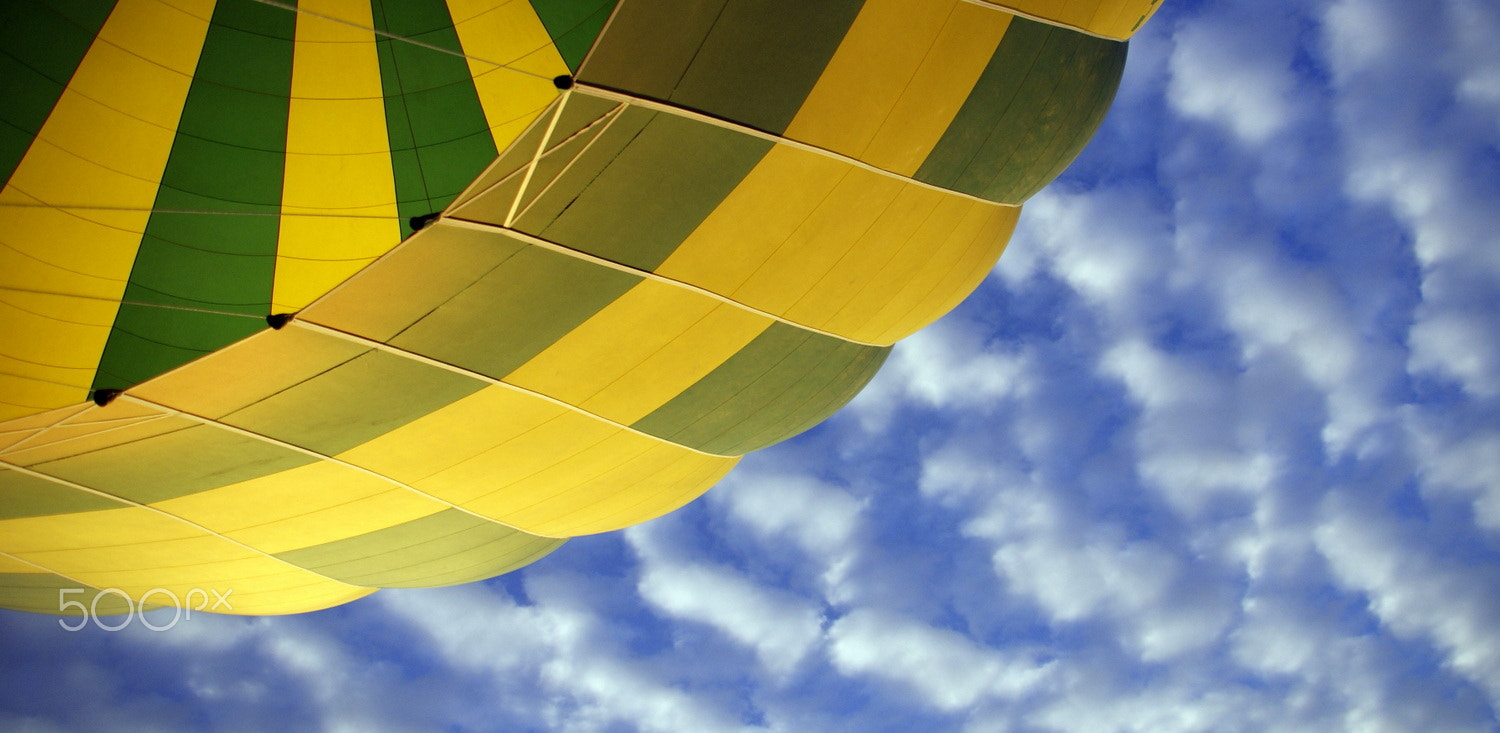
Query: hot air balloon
{"points": [[302, 300]]}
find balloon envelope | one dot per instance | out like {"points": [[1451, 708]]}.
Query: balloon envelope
{"points": [[305, 301]]}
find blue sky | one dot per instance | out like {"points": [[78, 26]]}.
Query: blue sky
{"points": [[1215, 448]]}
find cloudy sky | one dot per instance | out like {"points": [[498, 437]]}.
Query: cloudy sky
{"points": [[1215, 448]]}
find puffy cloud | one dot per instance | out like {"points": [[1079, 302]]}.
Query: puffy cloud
{"points": [[1112, 246], [1467, 466], [1189, 438], [1075, 573], [1418, 123], [1280, 311], [1414, 592], [779, 626], [821, 519], [1460, 345], [554, 661], [1234, 68], [946, 366], [945, 669]]}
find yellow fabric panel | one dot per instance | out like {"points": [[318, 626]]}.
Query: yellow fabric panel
{"points": [[640, 351], [105, 144], [642, 486], [932, 283], [104, 436], [11, 438], [552, 443], [532, 464], [843, 288], [452, 434], [50, 346], [507, 32], [1116, 19], [301, 507], [899, 77], [64, 439], [42, 420], [135, 550], [826, 238], [549, 479], [9, 564], [286, 594], [339, 193], [763, 211], [840, 248], [247, 371], [41, 428], [423, 273]]}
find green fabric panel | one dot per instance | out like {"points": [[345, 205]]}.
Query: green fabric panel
{"points": [[842, 374], [492, 206], [175, 464], [445, 548], [750, 61], [609, 146], [762, 58], [39, 593], [580, 111], [515, 312], [573, 25], [207, 267], [1095, 68], [41, 45], [649, 45], [354, 402], [563, 150], [412, 280], [439, 136], [138, 348], [785, 381], [1034, 108], [22, 495], [652, 195]]}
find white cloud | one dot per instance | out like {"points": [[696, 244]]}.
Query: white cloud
{"points": [[779, 626], [1468, 466], [1459, 345], [945, 669], [583, 681], [1282, 311], [946, 365], [1111, 245], [1156, 709], [1076, 569], [1275, 639], [1416, 114], [1189, 437], [1234, 73], [821, 519], [1415, 593], [1477, 56]]}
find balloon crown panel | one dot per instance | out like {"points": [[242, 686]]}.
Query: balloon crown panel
{"points": [[305, 300]]}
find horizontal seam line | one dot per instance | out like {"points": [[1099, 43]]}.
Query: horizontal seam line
{"points": [[208, 421], [169, 515], [659, 106], [649, 275], [403, 353]]}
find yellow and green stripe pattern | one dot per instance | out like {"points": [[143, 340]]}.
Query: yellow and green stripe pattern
{"points": [[700, 240]]}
